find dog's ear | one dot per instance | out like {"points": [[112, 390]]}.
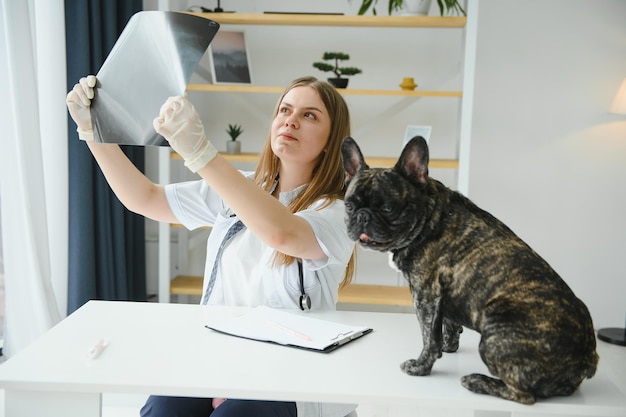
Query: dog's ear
{"points": [[413, 161], [353, 160]]}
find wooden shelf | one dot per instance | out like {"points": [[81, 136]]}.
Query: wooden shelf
{"points": [[383, 161], [344, 91], [374, 161], [352, 294], [376, 295], [242, 157], [287, 19], [180, 226], [186, 285]]}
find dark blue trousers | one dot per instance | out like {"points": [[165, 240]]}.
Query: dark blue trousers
{"points": [[158, 406]]}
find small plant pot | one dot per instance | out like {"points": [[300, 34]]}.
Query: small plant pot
{"points": [[339, 82], [415, 7], [233, 147]]}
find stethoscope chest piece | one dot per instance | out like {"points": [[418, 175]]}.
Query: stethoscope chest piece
{"points": [[305, 300]]}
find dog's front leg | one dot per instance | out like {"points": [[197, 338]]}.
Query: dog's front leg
{"points": [[430, 320]]}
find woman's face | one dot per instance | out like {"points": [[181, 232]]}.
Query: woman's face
{"points": [[301, 127]]}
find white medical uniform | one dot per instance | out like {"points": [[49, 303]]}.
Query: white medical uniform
{"points": [[250, 278]]}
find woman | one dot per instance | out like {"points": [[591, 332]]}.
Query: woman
{"points": [[291, 207]]}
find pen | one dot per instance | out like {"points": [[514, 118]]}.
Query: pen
{"points": [[289, 330], [97, 349]]}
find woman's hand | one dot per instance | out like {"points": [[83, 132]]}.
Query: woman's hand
{"points": [[179, 123], [79, 105]]}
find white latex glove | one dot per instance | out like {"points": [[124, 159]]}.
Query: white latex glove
{"points": [[179, 123], [79, 105]]}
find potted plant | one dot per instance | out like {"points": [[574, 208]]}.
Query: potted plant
{"points": [[338, 81], [233, 146], [446, 7]]}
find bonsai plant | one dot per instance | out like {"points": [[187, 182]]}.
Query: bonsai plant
{"points": [[233, 146], [338, 81], [445, 6]]}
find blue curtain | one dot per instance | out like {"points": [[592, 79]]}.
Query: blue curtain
{"points": [[106, 241]]}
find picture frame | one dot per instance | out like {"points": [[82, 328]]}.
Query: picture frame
{"points": [[415, 130], [229, 58]]}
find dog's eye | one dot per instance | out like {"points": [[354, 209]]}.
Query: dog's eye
{"points": [[386, 209], [349, 206]]}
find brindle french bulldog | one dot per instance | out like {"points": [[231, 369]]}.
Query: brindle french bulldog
{"points": [[466, 268]]}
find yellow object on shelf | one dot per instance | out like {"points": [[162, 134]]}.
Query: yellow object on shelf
{"points": [[408, 83]]}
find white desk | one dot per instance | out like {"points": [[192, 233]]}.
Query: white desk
{"points": [[165, 349]]}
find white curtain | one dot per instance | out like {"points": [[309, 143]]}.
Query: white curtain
{"points": [[33, 168]]}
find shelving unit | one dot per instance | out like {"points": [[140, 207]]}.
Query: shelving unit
{"points": [[461, 164]]}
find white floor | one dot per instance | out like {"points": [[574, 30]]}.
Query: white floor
{"points": [[122, 405]]}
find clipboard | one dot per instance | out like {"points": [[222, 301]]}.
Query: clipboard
{"points": [[153, 59], [266, 324]]}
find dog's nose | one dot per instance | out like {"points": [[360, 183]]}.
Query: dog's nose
{"points": [[363, 218]]}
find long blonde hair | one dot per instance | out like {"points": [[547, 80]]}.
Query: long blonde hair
{"points": [[327, 180]]}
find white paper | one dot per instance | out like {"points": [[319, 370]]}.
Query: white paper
{"points": [[287, 328]]}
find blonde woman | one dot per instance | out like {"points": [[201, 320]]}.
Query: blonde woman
{"points": [[287, 216]]}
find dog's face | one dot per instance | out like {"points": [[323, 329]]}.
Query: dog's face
{"points": [[384, 207]]}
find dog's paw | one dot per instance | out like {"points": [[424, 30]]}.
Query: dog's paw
{"points": [[416, 368], [450, 345]]}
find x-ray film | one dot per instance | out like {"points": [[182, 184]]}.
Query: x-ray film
{"points": [[153, 59]]}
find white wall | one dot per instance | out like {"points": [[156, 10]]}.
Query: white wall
{"points": [[546, 157]]}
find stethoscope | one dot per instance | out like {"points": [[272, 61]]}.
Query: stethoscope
{"points": [[305, 301]]}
